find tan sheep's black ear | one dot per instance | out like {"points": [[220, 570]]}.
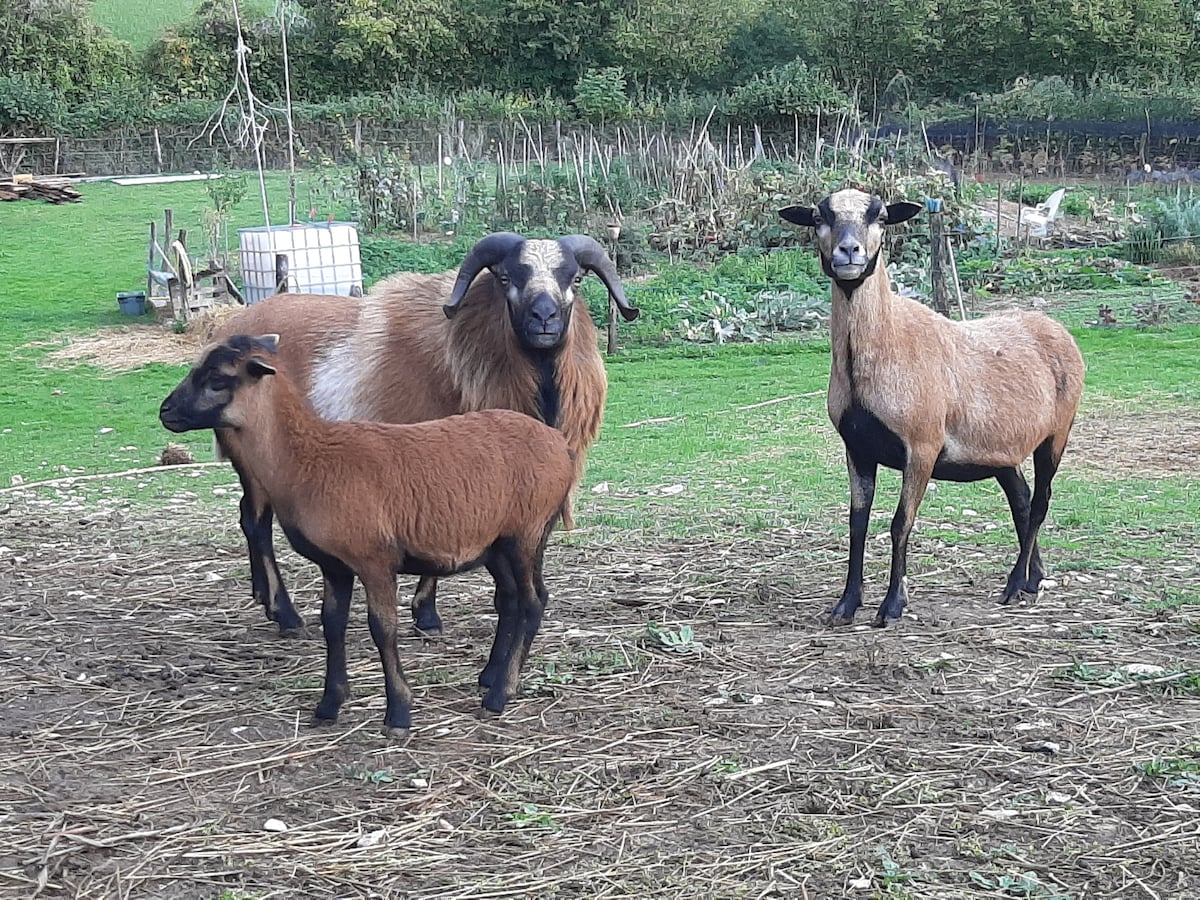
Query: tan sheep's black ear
{"points": [[799, 215], [268, 342], [901, 211], [257, 367]]}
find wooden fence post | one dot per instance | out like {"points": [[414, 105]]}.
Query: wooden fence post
{"points": [[937, 257]]}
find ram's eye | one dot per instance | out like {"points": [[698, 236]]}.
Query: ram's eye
{"points": [[220, 383], [579, 279]]}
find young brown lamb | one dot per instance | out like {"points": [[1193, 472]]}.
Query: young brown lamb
{"points": [[417, 347], [368, 499], [912, 390]]}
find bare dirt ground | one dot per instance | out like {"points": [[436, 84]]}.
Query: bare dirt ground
{"points": [[151, 724]]}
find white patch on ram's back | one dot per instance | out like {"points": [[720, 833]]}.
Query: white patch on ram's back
{"points": [[337, 390], [543, 257]]}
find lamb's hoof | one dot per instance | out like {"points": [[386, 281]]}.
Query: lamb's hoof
{"points": [[294, 633], [428, 634], [320, 721], [486, 715], [396, 735]]}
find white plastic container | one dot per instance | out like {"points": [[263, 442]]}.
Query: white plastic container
{"points": [[322, 258]]}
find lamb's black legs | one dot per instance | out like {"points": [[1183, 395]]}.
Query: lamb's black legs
{"points": [[521, 599], [265, 581], [1028, 572], [862, 495], [380, 587], [335, 613]]}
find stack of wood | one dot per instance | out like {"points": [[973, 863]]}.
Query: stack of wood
{"points": [[51, 188]]}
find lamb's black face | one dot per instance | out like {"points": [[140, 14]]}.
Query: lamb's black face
{"points": [[200, 400], [541, 282]]}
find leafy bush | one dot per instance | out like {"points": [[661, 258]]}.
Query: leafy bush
{"points": [[600, 95], [787, 90], [29, 104]]}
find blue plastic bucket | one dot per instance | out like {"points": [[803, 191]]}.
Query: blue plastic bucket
{"points": [[132, 303]]}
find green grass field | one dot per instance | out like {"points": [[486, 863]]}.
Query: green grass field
{"points": [[139, 23], [695, 435]]}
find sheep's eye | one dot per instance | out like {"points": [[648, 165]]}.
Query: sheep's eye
{"points": [[503, 279], [578, 279], [220, 383]]}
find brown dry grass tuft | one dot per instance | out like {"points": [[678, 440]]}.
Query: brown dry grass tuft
{"points": [[129, 347], [152, 724]]}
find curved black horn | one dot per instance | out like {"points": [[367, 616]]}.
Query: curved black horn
{"points": [[485, 254], [590, 255]]}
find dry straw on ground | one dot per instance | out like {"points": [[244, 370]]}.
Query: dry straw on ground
{"points": [[153, 725]]}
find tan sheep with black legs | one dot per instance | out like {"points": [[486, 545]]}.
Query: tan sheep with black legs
{"points": [[369, 500], [419, 347], [912, 390]]}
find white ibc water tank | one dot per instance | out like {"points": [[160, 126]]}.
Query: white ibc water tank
{"points": [[322, 258]]}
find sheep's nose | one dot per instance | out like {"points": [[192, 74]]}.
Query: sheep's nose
{"points": [[544, 310], [850, 247]]}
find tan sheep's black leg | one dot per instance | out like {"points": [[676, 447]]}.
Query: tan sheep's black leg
{"points": [[426, 620], [862, 495], [912, 491], [1027, 573], [335, 613], [1045, 465], [380, 588]]}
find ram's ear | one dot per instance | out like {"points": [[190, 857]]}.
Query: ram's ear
{"points": [[901, 212], [257, 367], [799, 215], [268, 342]]}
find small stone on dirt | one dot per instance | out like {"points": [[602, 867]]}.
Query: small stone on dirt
{"points": [[274, 825]]}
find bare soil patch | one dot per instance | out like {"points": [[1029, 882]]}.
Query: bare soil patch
{"points": [[1145, 444], [153, 723]]}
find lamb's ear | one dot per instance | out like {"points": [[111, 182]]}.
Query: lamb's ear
{"points": [[269, 342], [901, 212], [257, 367], [799, 215]]}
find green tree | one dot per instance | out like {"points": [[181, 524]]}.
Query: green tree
{"points": [[56, 44], [358, 46], [535, 45], [669, 42], [198, 58]]}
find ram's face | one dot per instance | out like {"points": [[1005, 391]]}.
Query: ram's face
{"points": [[540, 280], [849, 232]]}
